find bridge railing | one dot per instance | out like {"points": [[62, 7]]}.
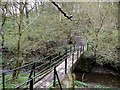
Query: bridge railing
{"points": [[42, 69], [55, 75]]}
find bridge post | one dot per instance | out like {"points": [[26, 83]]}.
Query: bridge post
{"points": [[83, 48], [72, 60], [50, 60], [54, 77], [70, 49], [77, 52], [3, 80], [34, 71], [31, 83], [59, 53], [66, 62], [74, 47], [80, 49], [58, 79]]}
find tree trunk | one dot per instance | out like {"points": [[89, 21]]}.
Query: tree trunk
{"points": [[3, 20], [18, 56], [96, 46], [13, 22], [36, 6], [27, 13]]}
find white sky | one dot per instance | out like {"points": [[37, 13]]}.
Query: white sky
{"points": [[67, 0]]}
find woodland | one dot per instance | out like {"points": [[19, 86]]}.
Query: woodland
{"points": [[32, 30]]}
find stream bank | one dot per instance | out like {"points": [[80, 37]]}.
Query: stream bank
{"points": [[88, 71], [99, 75]]}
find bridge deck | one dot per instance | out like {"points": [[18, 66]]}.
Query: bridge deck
{"points": [[46, 81]]}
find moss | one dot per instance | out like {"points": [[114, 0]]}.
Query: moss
{"points": [[85, 62]]}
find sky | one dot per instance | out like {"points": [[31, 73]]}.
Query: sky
{"points": [[65, 0]]}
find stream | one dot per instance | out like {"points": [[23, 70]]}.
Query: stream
{"points": [[99, 75]]}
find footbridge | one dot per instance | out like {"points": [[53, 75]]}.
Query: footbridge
{"points": [[45, 71], [66, 65]]}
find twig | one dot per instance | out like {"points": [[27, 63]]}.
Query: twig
{"points": [[83, 77]]}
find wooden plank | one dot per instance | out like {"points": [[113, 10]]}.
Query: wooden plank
{"points": [[47, 80]]}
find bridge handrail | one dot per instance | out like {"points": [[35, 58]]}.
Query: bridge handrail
{"points": [[30, 63], [68, 53], [39, 74], [33, 63]]}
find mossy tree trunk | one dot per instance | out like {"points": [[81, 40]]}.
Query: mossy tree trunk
{"points": [[19, 59]]}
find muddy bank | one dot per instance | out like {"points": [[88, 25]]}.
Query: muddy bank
{"points": [[99, 75]]}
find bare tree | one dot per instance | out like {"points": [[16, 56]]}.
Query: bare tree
{"points": [[96, 28], [4, 17], [20, 23], [28, 10], [26, 13], [36, 8]]}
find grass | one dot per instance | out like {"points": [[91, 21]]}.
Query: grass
{"points": [[10, 84], [79, 84], [50, 87]]}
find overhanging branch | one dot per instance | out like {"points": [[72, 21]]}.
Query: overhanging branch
{"points": [[56, 5]]}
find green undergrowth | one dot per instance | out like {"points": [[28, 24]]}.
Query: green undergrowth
{"points": [[9, 83], [79, 84], [70, 83], [49, 27]]}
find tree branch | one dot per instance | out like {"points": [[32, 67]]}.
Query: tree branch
{"points": [[56, 5], [14, 4], [31, 9]]}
